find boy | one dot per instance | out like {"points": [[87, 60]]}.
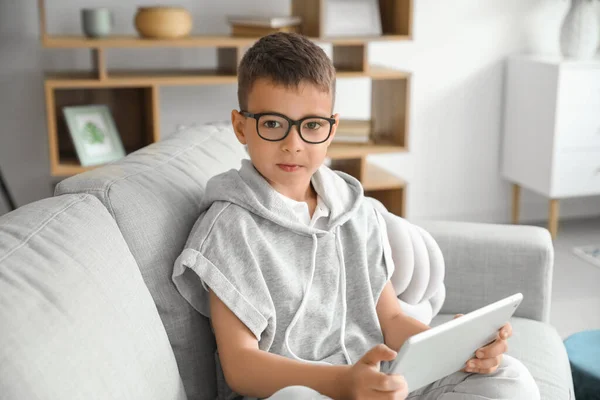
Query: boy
{"points": [[293, 261]]}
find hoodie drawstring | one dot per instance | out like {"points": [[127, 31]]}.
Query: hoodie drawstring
{"points": [[313, 266], [344, 305]]}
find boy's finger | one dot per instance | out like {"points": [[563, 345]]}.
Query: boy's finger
{"points": [[494, 349], [506, 331], [484, 364], [377, 354], [387, 383]]}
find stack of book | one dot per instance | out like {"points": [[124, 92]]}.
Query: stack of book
{"points": [[354, 131], [257, 26]]}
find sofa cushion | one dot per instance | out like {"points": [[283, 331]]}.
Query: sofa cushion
{"points": [[539, 347], [154, 196], [77, 320]]}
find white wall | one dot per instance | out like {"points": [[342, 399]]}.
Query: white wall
{"points": [[456, 107]]}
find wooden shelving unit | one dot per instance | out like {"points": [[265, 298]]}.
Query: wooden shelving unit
{"points": [[133, 96], [130, 41], [133, 78]]}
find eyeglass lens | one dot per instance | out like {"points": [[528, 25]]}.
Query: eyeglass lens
{"points": [[313, 130]]}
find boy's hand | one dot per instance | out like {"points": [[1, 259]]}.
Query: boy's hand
{"points": [[364, 380], [488, 358]]}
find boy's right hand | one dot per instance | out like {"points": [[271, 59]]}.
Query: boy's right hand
{"points": [[365, 381]]}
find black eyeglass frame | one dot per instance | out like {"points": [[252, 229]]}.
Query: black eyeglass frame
{"points": [[291, 123]]}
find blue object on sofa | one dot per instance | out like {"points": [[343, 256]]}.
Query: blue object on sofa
{"points": [[584, 355]]}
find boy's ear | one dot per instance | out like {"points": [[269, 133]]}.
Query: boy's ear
{"points": [[238, 121]]}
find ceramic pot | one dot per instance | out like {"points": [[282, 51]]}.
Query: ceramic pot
{"points": [[579, 33], [96, 22], [163, 22]]}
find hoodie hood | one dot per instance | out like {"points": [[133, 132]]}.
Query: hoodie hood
{"points": [[248, 189]]}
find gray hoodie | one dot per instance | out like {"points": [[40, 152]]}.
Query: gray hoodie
{"points": [[305, 293]]}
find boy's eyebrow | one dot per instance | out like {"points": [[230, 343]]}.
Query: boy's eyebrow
{"points": [[304, 116]]}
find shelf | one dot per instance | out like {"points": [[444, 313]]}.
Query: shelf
{"points": [[378, 72], [393, 199], [138, 78], [134, 111], [395, 17], [379, 179], [68, 167], [376, 182], [147, 78], [375, 178], [343, 151], [218, 41]]}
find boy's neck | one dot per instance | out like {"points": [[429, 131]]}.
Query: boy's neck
{"points": [[307, 195]]}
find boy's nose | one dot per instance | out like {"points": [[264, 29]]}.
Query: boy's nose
{"points": [[293, 142]]}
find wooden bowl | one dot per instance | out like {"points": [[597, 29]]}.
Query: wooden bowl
{"points": [[163, 22]]}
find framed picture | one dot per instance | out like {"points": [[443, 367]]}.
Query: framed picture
{"points": [[94, 134], [352, 18]]}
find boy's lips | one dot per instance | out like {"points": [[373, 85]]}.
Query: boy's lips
{"points": [[289, 167]]}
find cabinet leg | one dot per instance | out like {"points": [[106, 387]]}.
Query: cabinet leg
{"points": [[516, 197], [553, 218]]}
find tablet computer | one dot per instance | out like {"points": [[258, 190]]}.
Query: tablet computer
{"points": [[442, 350]]}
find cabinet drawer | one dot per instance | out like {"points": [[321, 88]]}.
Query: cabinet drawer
{"points": [[578, 113], [578, 129], [576, 174]]}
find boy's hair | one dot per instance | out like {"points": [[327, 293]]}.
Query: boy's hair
{"points": [[286, 59]]}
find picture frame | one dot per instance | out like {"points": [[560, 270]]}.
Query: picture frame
{"points": [[351, 18], [94, 134]]}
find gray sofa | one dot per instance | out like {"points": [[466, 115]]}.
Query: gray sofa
{"points": [[88, 308]]}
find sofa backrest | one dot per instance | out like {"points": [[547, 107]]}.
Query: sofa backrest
{"points": [[154, 196], [76, 320]]}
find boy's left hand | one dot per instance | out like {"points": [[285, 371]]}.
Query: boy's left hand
{"points": [[488, 358]]}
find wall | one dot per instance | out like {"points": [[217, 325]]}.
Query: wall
{"points": [[456, 112]]}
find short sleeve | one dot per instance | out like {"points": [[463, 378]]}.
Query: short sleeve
{"points": [[379, 254], [218, 256], [385, 243]]}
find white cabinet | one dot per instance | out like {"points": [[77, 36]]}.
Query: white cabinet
{"points": [[552, 129]]}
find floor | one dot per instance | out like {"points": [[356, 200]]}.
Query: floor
{"points": [[576, 283]]}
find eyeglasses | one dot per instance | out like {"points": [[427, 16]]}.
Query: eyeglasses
{"points": [[274, 127]]}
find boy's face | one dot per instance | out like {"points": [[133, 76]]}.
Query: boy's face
{"points": [[288, 164]]}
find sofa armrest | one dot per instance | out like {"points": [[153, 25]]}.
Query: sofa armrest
{"points": [[486, 262]]}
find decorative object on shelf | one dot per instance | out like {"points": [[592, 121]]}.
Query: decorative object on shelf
{"points": [[579, 34], [543, 26], [352, 18], [257, 26], [97, 22], [163, 22], [276, 21], [94, 134], [354, 131]]}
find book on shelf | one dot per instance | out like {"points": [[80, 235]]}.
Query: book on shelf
{"points": [[354, 131], [264, 21], [352, 139], [256, 26], [254, 31]]}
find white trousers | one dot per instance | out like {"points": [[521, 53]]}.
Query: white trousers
{"points": [[511, 380]]}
